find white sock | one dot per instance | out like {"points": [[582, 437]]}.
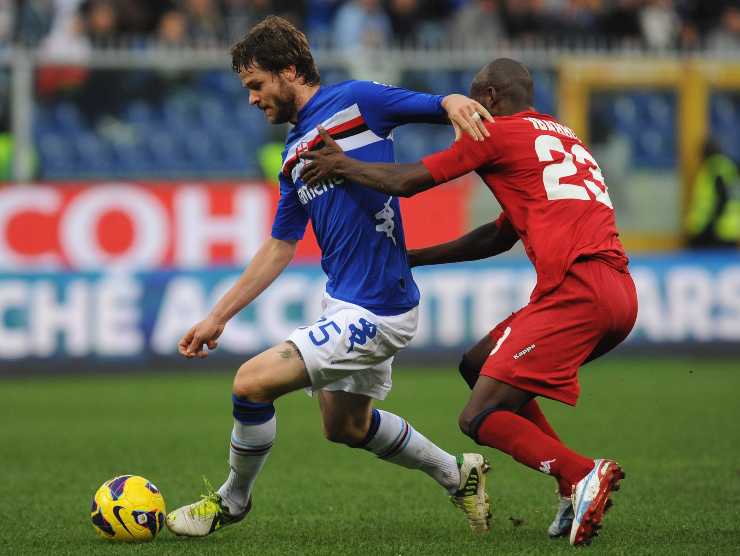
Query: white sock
{"points": [[396, 441], [250, 446]]}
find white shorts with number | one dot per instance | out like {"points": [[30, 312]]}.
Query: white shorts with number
{"points": [[351, 349]]}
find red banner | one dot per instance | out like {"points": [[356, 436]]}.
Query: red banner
{"points": [[181, 225]]}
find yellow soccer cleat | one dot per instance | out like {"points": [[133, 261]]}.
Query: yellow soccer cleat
{"points": [[472, 497]]}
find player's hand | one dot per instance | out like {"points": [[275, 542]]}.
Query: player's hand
{"points": [[323, 163], [203, 334], [467, 116]]}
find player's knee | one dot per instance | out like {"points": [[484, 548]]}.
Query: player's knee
{"points": [[470, 421], [248, 385], [464, 421], [468, 370]]}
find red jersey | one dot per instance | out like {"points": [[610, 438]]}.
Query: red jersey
{"points": [[550, 187]]}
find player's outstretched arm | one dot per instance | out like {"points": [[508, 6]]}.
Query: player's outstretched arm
{"points": [[483, 242], [387, 107], [399, 180], [267, 264]]}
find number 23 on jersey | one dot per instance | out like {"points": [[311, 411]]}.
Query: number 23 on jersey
{"points": [[554, 173]]}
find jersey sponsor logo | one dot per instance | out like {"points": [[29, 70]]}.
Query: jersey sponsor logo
{"points": [[387, 225], [307, 194], [525, 351]]}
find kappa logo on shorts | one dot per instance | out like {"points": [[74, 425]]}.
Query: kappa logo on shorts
{"points": [[525, 351], [361, 335]]}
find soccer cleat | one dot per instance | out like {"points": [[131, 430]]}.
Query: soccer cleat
{"points": [[560, 526], [204, 517], [472, 497], [591, 500]]}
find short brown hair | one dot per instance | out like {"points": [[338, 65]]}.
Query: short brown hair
{"points": [[275, 44]]}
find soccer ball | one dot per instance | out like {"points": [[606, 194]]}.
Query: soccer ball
{"points": [[128, 508]]}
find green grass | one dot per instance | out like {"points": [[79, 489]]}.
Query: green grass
{"points": [[674, 425]]}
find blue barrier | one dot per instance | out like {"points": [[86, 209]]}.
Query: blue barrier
{"points": [[686, 299]]}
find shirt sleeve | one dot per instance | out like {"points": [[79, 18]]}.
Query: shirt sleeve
{"points": [[385, 107], [463, 156], [290, 218]]}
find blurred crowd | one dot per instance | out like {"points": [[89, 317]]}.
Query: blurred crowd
{"points": [[76, 26]]}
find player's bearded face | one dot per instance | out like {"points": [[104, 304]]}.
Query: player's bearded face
{"points": [[283, 102], [271, 93]]}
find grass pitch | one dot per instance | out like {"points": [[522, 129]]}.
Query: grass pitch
{"points": [[673, 424]]}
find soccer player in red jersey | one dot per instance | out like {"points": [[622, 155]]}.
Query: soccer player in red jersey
{"points": [[555, 200]]}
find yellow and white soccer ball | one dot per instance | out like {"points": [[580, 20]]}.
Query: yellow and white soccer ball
{"points": [[128, 508]]}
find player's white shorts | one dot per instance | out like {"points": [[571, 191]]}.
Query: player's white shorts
{"points": [[351, 349]]}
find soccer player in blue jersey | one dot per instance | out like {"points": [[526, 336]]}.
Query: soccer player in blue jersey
{"points": [[370, 305]]}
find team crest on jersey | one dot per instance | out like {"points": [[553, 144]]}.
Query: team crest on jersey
{"points": [[347, 127]]}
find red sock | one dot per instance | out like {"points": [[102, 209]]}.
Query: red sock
{"points": [[527, 444], [532, 412]]}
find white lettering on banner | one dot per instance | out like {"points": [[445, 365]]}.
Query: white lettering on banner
{"points": [[690, 300], [79, 227], [315, 301], [117, 330], [68, 317], [449, 290], [492, 299], [650, 314], [424, 326], [17, 199], [695, 305], [198, 229], [728, 290], [526, 287], [273, 304], [52, 316], [13, 340], [183, 305], [241, 335]]}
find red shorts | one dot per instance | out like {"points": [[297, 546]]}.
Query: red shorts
{"points": [[540, 347]]}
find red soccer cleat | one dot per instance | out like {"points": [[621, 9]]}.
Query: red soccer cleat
{"points": [[591, 500]]}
